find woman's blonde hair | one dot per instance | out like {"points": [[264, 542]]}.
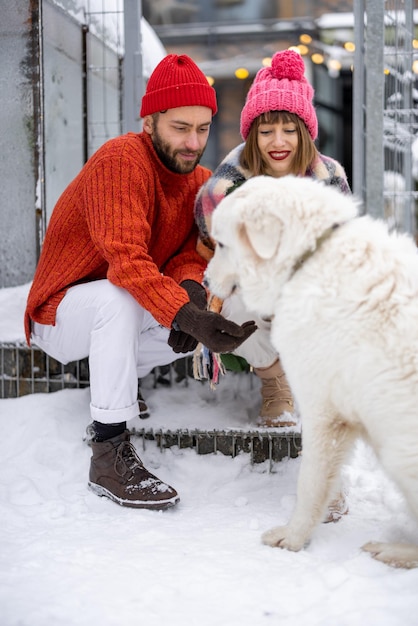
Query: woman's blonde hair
{"points": [[251, 158]]}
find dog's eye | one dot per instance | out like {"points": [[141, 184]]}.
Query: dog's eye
{"points": [[220, 244]]}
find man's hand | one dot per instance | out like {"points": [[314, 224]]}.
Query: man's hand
{"points": [[178, 340], [211, 329], [196, 293]]}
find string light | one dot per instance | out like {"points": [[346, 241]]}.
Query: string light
{"points": [[306, 39], [242, 73], [334, 67], [317, 58], [332, 56]]}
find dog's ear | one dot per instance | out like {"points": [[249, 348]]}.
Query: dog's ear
{"points": [[263, 236]]}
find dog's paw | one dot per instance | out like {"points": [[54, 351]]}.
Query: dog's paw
{"points": [[282, 537], [394, 554], [336, 509]]}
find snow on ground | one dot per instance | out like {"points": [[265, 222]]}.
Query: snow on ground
{"points": [[69, 558]]}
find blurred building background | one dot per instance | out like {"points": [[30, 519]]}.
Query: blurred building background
{"points": [[232, 39]]}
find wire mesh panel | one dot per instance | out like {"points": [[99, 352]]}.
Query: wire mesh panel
{"points": [[385, 111], [400, 119], [104, 54], [25, 370]]}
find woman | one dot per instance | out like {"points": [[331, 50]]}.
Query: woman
{"points": [[279, 126]]}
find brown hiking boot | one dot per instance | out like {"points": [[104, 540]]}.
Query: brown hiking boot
{"points": [[277, 400], [117, 472]]}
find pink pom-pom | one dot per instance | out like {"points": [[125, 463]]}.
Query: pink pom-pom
{"points": [[288, 64]]}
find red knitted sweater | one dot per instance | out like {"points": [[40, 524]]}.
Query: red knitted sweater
{"points": [[127, 218]]}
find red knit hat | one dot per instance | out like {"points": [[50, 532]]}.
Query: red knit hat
{"points": [[281, 87], [177, 82]]}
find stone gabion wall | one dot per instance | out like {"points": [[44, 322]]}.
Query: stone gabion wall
{"points": [[25, 370]]}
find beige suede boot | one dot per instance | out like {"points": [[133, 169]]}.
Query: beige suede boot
{"points": [[277, 400]]}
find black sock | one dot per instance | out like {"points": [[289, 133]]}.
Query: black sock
{"points": [[107, 431]]}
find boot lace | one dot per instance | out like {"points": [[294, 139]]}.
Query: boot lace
{"points": [[126, 459], [270, 388]]}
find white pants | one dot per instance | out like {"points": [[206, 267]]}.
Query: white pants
{"points": [[122, 340], [257, 349]]}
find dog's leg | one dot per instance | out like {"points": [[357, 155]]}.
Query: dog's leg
{"points": [[325, 445], [337, 505], [402, 468]]}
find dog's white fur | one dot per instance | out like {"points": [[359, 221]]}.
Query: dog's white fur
{"points": [[344, 303]]}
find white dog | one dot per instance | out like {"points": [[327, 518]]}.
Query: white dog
{"points": [[343, 297]]}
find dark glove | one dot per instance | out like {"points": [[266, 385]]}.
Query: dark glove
{"points": [[196, 293], [178, 340], [211, 329]]}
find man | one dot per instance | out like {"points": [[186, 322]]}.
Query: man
{"points": [[119, 278]]}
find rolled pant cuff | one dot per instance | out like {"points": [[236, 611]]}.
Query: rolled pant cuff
{"points": [[114, 416]]}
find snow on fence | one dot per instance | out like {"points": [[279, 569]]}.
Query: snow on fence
{"points": [[261, 445]]}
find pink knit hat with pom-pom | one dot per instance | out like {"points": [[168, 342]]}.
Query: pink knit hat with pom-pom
{"points": [[281, 87]]}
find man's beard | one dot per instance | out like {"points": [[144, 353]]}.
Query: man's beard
{"points": [[168, 156]]}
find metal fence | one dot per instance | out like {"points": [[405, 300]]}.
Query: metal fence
{"points": [[261, 446], [25, 370], [81, 94], [385, 110]]}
